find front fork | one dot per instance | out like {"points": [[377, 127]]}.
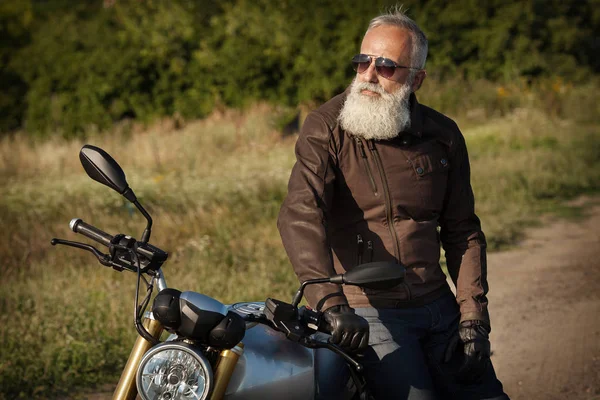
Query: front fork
{"points": [[126, 388], [224, 369]]}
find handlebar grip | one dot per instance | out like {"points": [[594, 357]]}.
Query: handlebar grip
{"points": [[87, 230]]}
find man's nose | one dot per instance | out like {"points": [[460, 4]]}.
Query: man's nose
{"points": [[370, 75]]}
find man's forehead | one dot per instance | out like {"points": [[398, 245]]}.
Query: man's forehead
{"points": [[388, 41]]}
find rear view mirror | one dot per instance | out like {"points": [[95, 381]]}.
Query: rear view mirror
{"points": [[101, 167], [374, 275]]}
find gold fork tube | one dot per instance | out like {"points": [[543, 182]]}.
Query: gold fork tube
{"points": [[126, 388], [225, 365]]}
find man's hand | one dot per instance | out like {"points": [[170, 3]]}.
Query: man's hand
{"points": [[474, 335], [348, 330]]}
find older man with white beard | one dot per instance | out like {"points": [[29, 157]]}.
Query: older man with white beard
{"points": [[380, 177], [381, 117]]}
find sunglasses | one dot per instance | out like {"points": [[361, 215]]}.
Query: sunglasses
{"points": [[384, 66]]}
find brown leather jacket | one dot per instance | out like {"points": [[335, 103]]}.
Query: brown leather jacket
{"points": [[352, 201]]}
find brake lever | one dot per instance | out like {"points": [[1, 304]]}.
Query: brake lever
{"points": [[104, 259], [314, 344]]}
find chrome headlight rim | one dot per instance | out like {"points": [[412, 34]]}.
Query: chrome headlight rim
{"points": [[179, 346]]}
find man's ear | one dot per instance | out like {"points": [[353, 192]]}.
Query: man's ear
{"points": [[418, 80]]}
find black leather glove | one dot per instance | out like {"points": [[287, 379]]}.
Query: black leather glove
{"points": [[348, 330], [474, 336]]}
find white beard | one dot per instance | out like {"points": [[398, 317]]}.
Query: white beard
{"points": [[382, 117]]}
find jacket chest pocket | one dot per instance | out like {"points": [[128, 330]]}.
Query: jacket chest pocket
{"points": [[431, 173]]}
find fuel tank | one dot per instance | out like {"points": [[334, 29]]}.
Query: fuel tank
{"points": [[271, 366]]}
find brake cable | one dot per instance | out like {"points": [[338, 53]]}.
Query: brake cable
{"points": [[135, 259]]}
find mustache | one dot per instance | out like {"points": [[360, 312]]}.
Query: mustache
{"points": [[373, 87]]}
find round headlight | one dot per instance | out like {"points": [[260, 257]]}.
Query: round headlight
{"points": [[174, 371]]}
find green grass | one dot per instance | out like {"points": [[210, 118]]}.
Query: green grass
{"points": [[214, 191], [526, 164]]}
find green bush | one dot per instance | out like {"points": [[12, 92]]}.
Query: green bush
{"points": [[71, 68], [15, 25], [130, 60]]}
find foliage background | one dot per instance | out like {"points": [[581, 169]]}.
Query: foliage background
{"points": [[71, 67]]}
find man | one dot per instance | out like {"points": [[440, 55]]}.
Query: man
{"points": [[376, 175]]}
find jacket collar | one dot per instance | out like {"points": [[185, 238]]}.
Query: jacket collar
{"points": [[416, 117]]}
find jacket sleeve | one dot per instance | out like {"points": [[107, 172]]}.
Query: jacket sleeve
{"points": [[302, 221], [462, 238]]}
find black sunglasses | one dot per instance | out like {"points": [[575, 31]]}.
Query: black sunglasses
{"points": [[384, 66]]}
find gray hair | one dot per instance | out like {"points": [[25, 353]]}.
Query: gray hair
{"points": [[397, 17]]}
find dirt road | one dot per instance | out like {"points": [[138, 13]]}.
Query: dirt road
{"points": [[545, 309]]}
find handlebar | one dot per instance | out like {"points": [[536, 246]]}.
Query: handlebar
{"points": [[119, 246], [78, 226]]}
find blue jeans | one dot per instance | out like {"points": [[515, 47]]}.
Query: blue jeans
{"points": [[406, 350]]}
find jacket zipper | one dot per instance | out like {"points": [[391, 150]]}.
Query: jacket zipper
{"points": [[388, 207], [370, 249], [363, 155], [359, 245]]}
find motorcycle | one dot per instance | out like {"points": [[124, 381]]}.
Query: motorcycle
{"points": [[247, 350]]}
